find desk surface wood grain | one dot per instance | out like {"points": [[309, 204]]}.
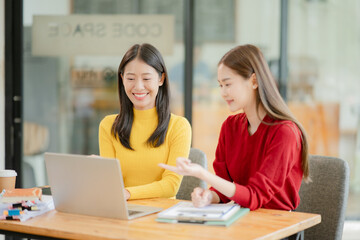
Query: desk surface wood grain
{"points": [[259, 224]]}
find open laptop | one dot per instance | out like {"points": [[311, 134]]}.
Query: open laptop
{"points": [[90, 185]]}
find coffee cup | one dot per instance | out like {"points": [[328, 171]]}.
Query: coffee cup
{"points": [[7, 179]]}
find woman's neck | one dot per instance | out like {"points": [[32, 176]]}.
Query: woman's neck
{"points": [[145, 114], [255, 116]]}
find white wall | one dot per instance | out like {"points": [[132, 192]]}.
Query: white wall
{"points": [[2, 85]]}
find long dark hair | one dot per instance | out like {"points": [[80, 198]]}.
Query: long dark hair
{"points": [[248, 59], [122, 125]]}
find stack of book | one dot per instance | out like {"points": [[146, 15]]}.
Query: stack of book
{"points": [[214, 214]]}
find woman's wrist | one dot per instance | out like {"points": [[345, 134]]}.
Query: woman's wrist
{"points": [[202, 174], [127, 194], [215, 197]]}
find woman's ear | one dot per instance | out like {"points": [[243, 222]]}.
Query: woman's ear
{"points": [[254, 81], [161, 81]]}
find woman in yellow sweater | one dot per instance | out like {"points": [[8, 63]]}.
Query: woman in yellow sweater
{"points": [[145, 132]]}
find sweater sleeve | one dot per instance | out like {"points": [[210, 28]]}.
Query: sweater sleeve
{"points": [[283, 150], [106, 147], [219, 163], [179, 146]]}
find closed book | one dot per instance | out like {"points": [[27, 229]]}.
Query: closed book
{"points": [[20, 194]]}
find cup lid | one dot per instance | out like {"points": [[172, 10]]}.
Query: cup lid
{"points": [[8, 173]]}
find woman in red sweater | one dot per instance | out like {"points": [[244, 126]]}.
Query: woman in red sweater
{"points": [[262, 153]]}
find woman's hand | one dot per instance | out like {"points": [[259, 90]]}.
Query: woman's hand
{"points": [[201, 197], [184, 167], [127, 194]]}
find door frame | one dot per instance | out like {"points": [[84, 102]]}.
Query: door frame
{"points": [[13, 86]]}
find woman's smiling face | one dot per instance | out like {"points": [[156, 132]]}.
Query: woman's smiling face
{"points": [[141, 83]]}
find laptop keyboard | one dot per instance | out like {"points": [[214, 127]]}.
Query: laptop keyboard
{"points": [[132, 212]]}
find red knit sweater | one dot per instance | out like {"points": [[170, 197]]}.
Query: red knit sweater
{"points": [[266, 166]]}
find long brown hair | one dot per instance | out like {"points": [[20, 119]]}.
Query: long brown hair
{"points": [[248, 59], [122, 125]]}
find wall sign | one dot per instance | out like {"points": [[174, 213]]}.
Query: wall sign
{"points": [[100, 34]]}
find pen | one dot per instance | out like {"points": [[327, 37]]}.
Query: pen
{"points": [[180, 221], [12, 212], [191, 221]]}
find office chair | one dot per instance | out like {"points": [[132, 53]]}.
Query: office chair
{"points": [[189, 183], [327, 195]]}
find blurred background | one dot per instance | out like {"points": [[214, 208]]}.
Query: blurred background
{"points": [[312, 47]]}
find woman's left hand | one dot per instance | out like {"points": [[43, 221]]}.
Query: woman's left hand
{"points": [[184, 167]]}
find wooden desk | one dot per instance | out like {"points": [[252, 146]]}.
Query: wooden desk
{"points": [[259, 224]]}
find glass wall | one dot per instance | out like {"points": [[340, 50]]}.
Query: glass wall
{"points": [[66, 96], [322, 84], [323, 81], [220, 26]]}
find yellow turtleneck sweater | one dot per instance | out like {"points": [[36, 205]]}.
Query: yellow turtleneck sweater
{"points": [[143, 178]]}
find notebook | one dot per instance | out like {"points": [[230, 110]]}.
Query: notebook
{"points": [[214, 214], [90, 185]]}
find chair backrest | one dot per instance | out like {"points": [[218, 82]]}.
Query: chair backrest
{"points": [[189, 183], [327, 195]]}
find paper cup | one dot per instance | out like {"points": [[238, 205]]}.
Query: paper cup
{"points": [[7, 179]]}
